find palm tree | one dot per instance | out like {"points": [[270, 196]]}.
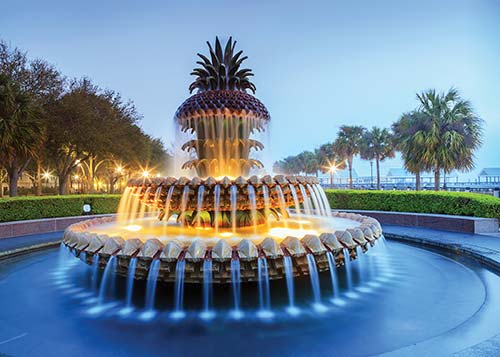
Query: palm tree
{"points": [[378, 145], [407, 132], [20, 130], [348, 144], [454, 133], [329, 160]]}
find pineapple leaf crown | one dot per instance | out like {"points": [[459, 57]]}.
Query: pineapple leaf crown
{"points": [[222, 71]]}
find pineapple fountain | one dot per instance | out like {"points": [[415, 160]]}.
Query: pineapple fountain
{"points": [[222, 224]]}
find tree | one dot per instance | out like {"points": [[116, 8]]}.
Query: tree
{"points": [[329, 160], [377, 144], [348, 144], [454, 132], [38, 79], [407, 133], [20, 130]]}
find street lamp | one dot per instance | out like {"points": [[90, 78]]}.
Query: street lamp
{"points": [[332, 170], [145, 174]]}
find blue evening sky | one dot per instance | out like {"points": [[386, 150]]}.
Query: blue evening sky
{"points": [[317, 64]]}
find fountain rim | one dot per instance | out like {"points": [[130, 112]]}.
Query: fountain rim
{"points": [[338, 243]]}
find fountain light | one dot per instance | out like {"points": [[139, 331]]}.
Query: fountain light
{"points": [[226, 234], [133, 227], [282, 232]]}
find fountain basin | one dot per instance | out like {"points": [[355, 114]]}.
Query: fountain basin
{"points": [[341, 235]]}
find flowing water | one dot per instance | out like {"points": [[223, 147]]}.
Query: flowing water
{"points": [[267, 204], [154, 269], [178, 312], [333, 274], [107, 279], [199, 204], [307, 201], [130, 282], [348, 269], [236, 284], [297, 204], [287, 262], [264, 290], [313, 275], [216, 208], [95, 271], [234, 206], [207, 313], [253, 207]]}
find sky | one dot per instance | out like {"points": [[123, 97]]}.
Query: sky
{"points": [[317, 64]]}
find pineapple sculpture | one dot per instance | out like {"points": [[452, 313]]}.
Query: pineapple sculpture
{"points": [[222, 116]]}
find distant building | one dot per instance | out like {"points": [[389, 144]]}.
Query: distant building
{"points": [[489, 175], [339, 177]]}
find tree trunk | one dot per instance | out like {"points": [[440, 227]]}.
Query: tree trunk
{"points": [[38, 178], [417, 181], [349, 162], [13, 180], [91, 174], [377, 161], [437, 178], [63, 184], [331, 179]]}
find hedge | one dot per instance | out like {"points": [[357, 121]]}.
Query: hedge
{"points": [[21, 208], [451, 203]]}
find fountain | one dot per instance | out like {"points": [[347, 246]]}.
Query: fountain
{"points": [[225, 221]]}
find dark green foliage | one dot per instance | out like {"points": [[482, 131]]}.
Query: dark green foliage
{"points": [[451, 203], [22, 208]]}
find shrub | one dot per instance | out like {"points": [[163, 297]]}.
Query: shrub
{"points": [[21, 208], [451, 203]]}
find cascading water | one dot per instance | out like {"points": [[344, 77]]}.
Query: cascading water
{"points": [[199, 204], [307, 202], [207, 290], [313, 275], [184, 202], [333, 277], [216, 208], [362, 268], [282, 202], [348, 272], [296, 204], [326, 204], [317, 207], [95, 272], [234, 204], [267, 204], [154, 270], [253, 207], [287, 263], [130, 286], [178, 312], [107, 279], [264, 289], [236, 282]]}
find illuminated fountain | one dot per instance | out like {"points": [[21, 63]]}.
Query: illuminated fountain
{"points": [[224, 224]]}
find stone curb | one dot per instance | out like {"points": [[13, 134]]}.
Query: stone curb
{"points": [[28, 249], [457, 249]]}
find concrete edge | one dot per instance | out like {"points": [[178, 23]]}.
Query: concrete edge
{"points": [[28, 249]]}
